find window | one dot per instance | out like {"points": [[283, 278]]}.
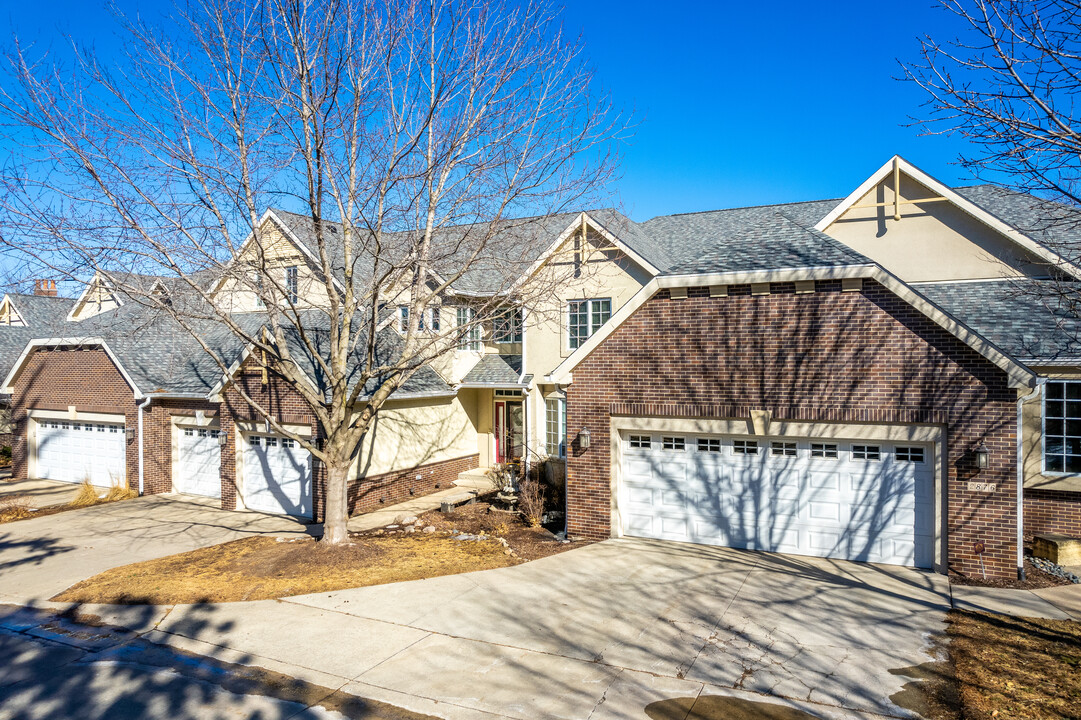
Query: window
{"points": [[641, 441], [254, 441], [188, 432], [909, 454], [291, 284], [77, 426], [866, 452], [65, 426], [203, 433], [745, 447], [288, 443], [101, 428], [470, 339], [114, 428], [403, 318], [507, 326], [555, 414], [584, 317], [785, 449], [673, 443], [54, 424], [271, 442], [823, 450], [1062, 427], [712, 445], [433, 319]]}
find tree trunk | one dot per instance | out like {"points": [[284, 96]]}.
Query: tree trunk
{"points": [[336, 515]]}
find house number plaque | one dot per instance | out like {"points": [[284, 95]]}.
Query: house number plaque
{"points": [[982, 487]]}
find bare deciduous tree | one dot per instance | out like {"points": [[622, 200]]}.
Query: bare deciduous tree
{"points": [[408, 133]]}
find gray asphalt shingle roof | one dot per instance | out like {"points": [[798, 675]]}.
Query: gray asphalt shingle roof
{"points": [[1018, 316], [495, 370]]}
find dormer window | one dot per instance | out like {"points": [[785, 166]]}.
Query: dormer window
{"points": [[403, 318], [507, 326]]}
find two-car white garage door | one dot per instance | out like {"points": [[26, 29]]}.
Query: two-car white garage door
{"points": [[854, 500]]}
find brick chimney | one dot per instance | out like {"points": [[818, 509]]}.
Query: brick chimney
{"points": [[45, 287]]}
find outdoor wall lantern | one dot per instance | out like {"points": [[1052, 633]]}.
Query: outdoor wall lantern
{"points": [[983, 457], [129, 434], [583, 438], [222, 438]]}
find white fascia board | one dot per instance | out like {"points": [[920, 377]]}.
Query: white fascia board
{"points": [[491, 386], [81, 300], [958, 201], [60, 342], [11, 305], [434, 394], [1019, 374]]}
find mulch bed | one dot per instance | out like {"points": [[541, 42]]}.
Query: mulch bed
{"points": [[1035, 578], [528, 543]]}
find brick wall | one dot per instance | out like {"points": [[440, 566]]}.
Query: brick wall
{"points": [[371, 493], [829, 356], [285, 405], [1052, 511], [55, 378]]}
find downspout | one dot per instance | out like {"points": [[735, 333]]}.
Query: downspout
{"points": [[141, 407], [1021, 476]]}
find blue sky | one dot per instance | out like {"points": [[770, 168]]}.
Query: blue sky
{"points": [[737, 103]]}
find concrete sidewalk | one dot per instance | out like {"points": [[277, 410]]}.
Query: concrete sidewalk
{"points": [[1054, 603], [42, 493]]}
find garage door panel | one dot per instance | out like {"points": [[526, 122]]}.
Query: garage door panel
{"points": [[277, 476], [846, 507], [199, 462], [76, 451]]}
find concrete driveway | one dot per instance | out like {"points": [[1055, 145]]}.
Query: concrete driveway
{"points": [[42, 556], [606, 631]]}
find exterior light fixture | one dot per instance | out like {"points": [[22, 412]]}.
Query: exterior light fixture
{"points": [[983, 457], [223, 437], [583, 438], [129, 434]]}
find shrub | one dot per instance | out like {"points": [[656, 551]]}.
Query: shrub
{"points": [[86, 496], [16, 507], [5, 454], [120, 492], [531, 501]]}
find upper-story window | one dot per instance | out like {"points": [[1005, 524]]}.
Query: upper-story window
{"points": [[584, 317], [403, 318], [470, 339], [507, 326], [433, 318], [1062, 427], [292, 284]]}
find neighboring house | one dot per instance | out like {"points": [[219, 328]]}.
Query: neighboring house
{"points": [[839, 378]]}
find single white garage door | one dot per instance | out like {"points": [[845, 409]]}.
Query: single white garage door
{"points": [[198, 470], [277, 475], [852, 500], [75, 451]]}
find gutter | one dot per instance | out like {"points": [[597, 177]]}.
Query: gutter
{"points": [[141, 407], [1021, 476], [493, 386]]}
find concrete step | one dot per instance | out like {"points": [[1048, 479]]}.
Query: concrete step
{"points": [[476, 479]]}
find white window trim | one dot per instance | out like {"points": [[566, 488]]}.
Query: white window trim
{"points": [[471, 341], [561, 427], [589, 318], [1064, 473]]}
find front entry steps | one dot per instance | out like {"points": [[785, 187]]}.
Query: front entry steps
{"points": [[476, 479]]}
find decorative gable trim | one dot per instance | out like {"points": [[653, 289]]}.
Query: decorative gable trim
{"points": [[7, 309], [98, 280], [897, 165]]}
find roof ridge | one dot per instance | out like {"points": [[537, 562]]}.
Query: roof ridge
{"points": [[744, 207]]}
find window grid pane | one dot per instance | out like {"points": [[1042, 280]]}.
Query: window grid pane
{"points": [[823, 450], [745, 447], [640, 441], [1062, 427], [673, 443], [787, 449], [712, 445]]}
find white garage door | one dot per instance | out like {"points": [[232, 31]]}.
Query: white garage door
{"points": [[277, 475], [857, 500], [75, 451], [198, 470]]}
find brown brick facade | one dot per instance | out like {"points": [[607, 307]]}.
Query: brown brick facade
{"points": [[829, 356], [372, 493], [1052, 511], [55, 379]]}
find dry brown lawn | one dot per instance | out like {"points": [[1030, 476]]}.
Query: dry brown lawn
{"points": [[1016, 667], [260, 568]]}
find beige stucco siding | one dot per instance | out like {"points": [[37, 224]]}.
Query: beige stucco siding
{"points": [[278, 253], [1032, 439], [408, 433], [931, 242], [96, 300]]}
